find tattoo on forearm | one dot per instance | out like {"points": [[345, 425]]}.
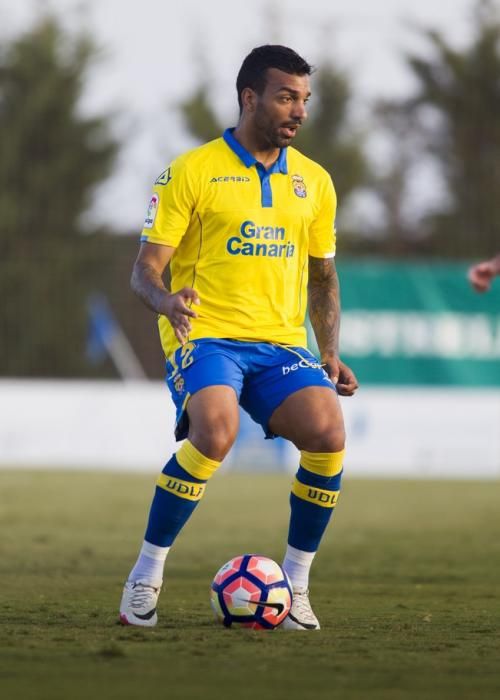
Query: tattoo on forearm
{"points": [[324, 304], [148, 284]]}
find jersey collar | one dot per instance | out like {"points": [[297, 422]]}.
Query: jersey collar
{"points": [[279, 166]]}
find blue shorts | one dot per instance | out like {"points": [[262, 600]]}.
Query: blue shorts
{"points": [[263, 375]]}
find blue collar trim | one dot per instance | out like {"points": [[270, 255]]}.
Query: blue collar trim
{"points": [[282, 162], [279, 166]]}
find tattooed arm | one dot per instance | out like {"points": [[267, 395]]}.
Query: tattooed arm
{"points": [[324, 312], [147, 283], [324, 305]]}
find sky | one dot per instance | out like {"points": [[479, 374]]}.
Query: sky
{"points": [[155, 52]]}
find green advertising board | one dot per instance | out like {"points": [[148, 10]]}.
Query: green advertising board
{"points": [[418, 324]]}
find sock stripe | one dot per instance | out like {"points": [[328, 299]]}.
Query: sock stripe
{"points": [[178, 487], [195, 463], [313, 494], [322, 463]]}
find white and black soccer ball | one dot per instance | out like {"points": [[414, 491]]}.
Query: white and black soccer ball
{"points": [[252, 591]]}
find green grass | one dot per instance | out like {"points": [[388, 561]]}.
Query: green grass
{"points": [[406, 587]]}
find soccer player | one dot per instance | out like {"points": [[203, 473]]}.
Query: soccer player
{"points": [[246, 223], [482, 274]]}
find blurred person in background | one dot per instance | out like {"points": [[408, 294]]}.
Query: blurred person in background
{"points": [[482, 274], [246, 224]]}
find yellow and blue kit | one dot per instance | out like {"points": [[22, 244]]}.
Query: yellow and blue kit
{"points": [[261, 374], [242, 236]]}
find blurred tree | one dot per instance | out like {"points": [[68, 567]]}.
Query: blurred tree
{"points": [[52, 159], [454, 119], [327, 136], [199, 116]]}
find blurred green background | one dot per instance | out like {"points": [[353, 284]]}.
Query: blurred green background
{"points": [[54, 258]]}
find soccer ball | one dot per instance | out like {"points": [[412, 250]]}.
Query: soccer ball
{"points": [[251, 591]]}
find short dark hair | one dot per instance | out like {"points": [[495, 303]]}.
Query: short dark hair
{"points": [[252, 73]]}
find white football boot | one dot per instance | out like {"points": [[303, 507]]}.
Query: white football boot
{"points": [[138, 606], [301, 616]]}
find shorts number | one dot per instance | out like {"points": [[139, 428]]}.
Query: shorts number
{"points": [[186, 355]]}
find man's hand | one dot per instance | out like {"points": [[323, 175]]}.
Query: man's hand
{"points": [[341, 375], [176, 309], [481, 275], [147, 283]]}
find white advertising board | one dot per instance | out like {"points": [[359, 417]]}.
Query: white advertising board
{"points": [[404, 432]]}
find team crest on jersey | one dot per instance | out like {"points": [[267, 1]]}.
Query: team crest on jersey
{"points": [[164, 178], [152, 210], [299, 186]]}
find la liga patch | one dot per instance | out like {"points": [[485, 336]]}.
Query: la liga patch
{"points": [[152, 210]]}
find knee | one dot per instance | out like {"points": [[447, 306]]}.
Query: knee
{"points": [[214, 440], [324, 436]]}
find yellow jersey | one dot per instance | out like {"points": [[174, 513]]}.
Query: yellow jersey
{"points": [[242, 236]]}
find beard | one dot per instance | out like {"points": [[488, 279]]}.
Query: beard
{"points": [[269, 131]]}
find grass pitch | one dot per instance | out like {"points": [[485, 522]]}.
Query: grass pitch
{"points": [[406, 587]]}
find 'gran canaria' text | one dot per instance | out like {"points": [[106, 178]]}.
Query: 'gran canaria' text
{"points": [[264, 241]]}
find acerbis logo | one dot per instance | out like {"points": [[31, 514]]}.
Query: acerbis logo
{"points": [[164, 178], [230, 178], [286, 369]]}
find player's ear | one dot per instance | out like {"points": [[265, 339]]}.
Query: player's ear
{"points": [[248, 99]]}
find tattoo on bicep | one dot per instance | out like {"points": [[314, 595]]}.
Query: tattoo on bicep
{"points": [[324, 303]]}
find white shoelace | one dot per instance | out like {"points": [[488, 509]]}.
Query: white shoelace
{"points": [[302, 607], [143, 596]]}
